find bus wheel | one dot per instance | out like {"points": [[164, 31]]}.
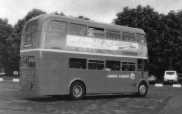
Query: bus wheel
{"points": [[77, 90], [142, 89]]}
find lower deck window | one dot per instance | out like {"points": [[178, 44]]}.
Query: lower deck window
{"points": [[77, 63], [95, 64], [141, 65], [113, 65], [128, 66]]}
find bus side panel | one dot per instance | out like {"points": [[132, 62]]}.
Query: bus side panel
{"points": [[53, 78], [102, 81], [93, 80]]}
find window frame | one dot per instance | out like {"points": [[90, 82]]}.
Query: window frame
{"points": [[127, 36], [92, 31], [97, 62], [143, 63], [77, 24], [28, 40], [56, 33], [73, 65], [139, 39], [111, 68], [58, 21], [126, 66], [113, 32]]}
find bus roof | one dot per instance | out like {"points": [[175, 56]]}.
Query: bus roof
{"points": [[88, 23]]}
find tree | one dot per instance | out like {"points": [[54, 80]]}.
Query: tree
{"points": [[152, 23], [5, 31], [173, 37]]}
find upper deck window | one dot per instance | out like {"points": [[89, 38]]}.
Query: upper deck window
{"points": [[128, 36], [30, 34], [55, 34], [140, 38], [115, 35], [56, 26], [77, 29], [96, 32]]}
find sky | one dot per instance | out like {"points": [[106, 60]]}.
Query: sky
{"points": [[97, 10]]}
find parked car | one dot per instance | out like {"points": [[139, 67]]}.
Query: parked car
{"points": [[170, 76]]}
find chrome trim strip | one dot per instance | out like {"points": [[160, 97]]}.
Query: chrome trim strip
{"points": [[75, 52]]}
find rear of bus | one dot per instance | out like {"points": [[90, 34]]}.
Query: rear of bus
{"points": [[29, 58]]}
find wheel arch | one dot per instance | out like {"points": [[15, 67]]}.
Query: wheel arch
{"points": [[143, 81], [77, 80]]}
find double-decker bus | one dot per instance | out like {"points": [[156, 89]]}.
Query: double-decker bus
{"points": [[69, 56]]}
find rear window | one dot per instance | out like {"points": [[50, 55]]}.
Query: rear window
{"points": [[170, 73], [30, 34]]}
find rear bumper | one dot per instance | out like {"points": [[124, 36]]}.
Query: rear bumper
{"points": [[168, 79]]}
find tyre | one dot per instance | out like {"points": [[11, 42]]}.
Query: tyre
{"points": [[142, 89], [77, 90]]}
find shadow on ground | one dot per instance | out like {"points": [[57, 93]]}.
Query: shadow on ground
{"points": [[54, 98]]}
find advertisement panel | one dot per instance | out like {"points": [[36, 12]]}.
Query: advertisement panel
{"points": [[101, 45]]}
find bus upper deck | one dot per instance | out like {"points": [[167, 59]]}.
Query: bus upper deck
{"points": [[84, 36]]}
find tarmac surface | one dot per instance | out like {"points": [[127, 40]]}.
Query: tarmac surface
{"points": [[160, 100]]}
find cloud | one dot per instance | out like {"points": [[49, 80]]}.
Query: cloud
{"points": [[98, 10]]}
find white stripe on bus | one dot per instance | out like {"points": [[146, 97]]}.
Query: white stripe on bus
{"points": [[75, 52]]}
